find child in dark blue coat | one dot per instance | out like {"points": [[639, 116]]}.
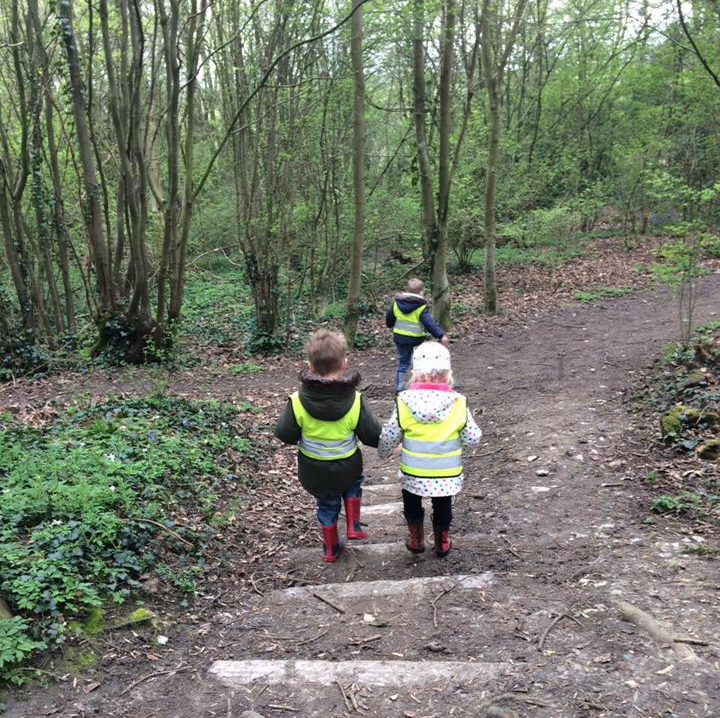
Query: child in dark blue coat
{"points": [[409, 316]]}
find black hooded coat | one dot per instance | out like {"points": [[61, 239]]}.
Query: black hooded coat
{"points": [[329, 400]]}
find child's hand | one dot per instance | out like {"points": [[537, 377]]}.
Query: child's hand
{"points": [[444, 340]]}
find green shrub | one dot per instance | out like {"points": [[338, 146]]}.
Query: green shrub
{"points": [[82, 501], [16, 644]]}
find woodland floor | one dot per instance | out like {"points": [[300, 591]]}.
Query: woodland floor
{"points": [[550, 545]]}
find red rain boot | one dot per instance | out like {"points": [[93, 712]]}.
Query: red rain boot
{"points": [[443, 543], [332, 546], [416, 542], [352, 514]]}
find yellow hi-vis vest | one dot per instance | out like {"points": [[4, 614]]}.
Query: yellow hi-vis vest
{"points": [[409, 324], [326, 440], [432, 450]]}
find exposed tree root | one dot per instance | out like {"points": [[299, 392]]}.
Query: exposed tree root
{"points": [[662, 634], [498, 712]]}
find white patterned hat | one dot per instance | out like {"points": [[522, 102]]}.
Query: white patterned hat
{"points": [[430, 357]]}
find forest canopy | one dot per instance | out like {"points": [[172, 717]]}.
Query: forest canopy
{"points": [[311, 144]]}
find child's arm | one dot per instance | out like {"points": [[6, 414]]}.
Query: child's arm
{"points": [[390, 436], [390, 318], [287, 429], [471, 434], [429, 323], [368, 428]]}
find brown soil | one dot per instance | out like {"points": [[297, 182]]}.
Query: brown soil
{"points": [[563, 535]]}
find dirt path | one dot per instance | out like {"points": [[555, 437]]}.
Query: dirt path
{"points": [[524, 615]]}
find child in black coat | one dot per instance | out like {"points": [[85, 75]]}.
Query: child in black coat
{"points": [[326, 417]]}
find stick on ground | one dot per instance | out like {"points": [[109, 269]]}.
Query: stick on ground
{"points": [[330, 603], [555, 621]]}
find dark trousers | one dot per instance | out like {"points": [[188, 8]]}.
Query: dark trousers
{"points": [[441, 506], [404, 354]]}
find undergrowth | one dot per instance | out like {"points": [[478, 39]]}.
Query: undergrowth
{"points": [[92, 503], [684, 396]]}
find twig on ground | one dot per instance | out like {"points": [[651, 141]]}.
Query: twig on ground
{"points": [[299, 579], [552, 625], [433, 603], [255, 698], [361, 641], [352, 692], [524, 699], [330, 603], [354, 557], [281, 707], [488, 453], [692, 641], [155, 674], [512, 548], [314, 638], [254, 585], [348, 705], [160, 526]]}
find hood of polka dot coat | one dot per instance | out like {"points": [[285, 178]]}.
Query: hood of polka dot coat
{"points": [[428, 406]]}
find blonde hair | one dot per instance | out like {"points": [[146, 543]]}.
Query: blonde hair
{"points": [[415, 286], [432, 377], [326, 351]]}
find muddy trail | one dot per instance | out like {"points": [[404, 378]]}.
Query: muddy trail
{"points": [[555, 601]]}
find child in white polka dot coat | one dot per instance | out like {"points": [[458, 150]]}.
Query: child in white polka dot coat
{"points": [[432, 423]]}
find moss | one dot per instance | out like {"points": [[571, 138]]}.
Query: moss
{"points": [[140, 614], [710, 450], [94, 622], [673, 420], [81, 660]]}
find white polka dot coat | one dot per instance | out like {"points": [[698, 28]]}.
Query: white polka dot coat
{"points": [[427, 406]]}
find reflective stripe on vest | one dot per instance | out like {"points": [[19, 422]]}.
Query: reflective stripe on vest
{"points": [[432, 450], [326, 440], [409, 325]]}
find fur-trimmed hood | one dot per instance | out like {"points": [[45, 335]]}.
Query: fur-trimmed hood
{"points": [[328, 399]]}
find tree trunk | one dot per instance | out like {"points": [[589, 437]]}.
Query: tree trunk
{"points": [[61, 234], [195, 32], [169, 25], [92, 213], [358, 165], [494, 68], [420, 111], [440, 284], [493, 106]]}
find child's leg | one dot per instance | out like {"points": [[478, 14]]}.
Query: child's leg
{"points": [[442, 510], [355, 490], [414, 515], [412, 504], [441, 519], [328, 510], [404, 352], [353, 498]]}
